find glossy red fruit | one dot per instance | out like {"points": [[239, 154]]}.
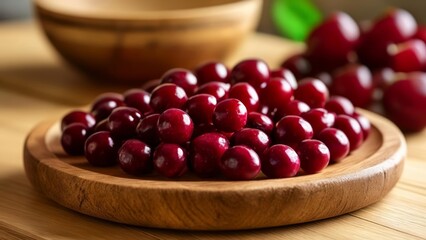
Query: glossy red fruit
{"points": [[167, 95], [253, 71], [405, 101], [383, 78], [212, 72], [421, 33], [147, 130], [107, 97], [170, 160], [352, 130], [175, 126], [246, 94], [260, 121], [240, 163], [150, 85], [134, 157], [102, 126], [122, 122], [84, 118], [206, 152], [252, 138], [200, 129], [291, 130], [219, 90], [319, 118], [313, 92], [73, 138], [364, 123], [409, 56], [139, 99], [200, 108], [299, 65], [294, 107], [276, 93], [355, 83], [182, 78], [314, 156], [337, 143], [286, 75], [230, 115], [100, 149], [280, 161], [339, 105]]}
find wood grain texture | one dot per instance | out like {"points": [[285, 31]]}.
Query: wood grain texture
{"points": [[363, 178]]}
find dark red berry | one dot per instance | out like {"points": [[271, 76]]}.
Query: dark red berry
{"points": [[319, 118], [260, 121], [100, 149], [336, 141], [219, 90], [246, 94], [175, 126], [314, 156], [252, 138], [212, 72], [182, 78], [230, 115], [364, 123], [122, 122], [73, 138], [352, 130], [134, 157], [84, 118], [312, 92], [253, 71], [240, 163], [139, 99], [339, 105], [294, 107], [286, 75], [299, 65], [291, 130], [167, 95], [409, 56], [200, 107], [170, 160], [280, 161], [277, 92], [147, 130]]}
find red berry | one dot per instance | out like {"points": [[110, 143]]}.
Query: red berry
{"points": [[201, 107], [280, 161], [319, 118], [84, 118], [240, 163], [252, 138], [253, 71], [122, 122], [336, 141], [364, 123], [352, 130], [314, 156], [339, 105], [182, 78], [73, 138], [291, 130], [276, 93], [100, 149], [246, 94], [313, 92], [212, 72], [299, 65], [167, 95], [175, 126], [147, 130], [219, 90], [260, 121], [134, 157], [170, 160], [286, 75], [409, 56], [139, 99], [230, 115], [294, 107]]}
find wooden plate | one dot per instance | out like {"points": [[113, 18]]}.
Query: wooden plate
{"points": [[363, 178]]}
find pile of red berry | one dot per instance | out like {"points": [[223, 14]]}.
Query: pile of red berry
{"points": [[216, 121], [382, 62]]}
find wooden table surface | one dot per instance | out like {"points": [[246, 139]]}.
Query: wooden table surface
{"points": [[36, 85]]}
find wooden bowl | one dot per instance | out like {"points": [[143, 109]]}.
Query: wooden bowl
{"points": [[129, 41], [361, 179]]}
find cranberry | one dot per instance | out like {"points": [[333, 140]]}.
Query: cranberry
{"points": [[280, 161], [104, 109], [170, 160], [276, 93], [409, 56], [200, 107], [175, 126], [134, 157], [107, 97], [202, 128], [240, 163], [147, 130], [352, 130], [246, 94], [291, 130], [294, 107], [102, 126], [355, 83], [253, 71], [260, 121], [150, 85], [73, 138], [319, 118], [206, 151], [299, 65], [421, 33], [219, 90], [339, 105], [230, 115], [100, 149], [364, 123], [182, 78], [84, 118], [336, 141], [383, 78], [252, 138], [314, 156], [313, 92], [122, 122], [212, 72], [167, 95], [139, 99], [286, 75]]}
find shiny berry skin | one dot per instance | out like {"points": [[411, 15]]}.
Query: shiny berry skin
{"points": [[102, 126], [219, 90], [175, 126], [73, 138], [206, 151], [352, 130], [246, 94], [170, 160], [409, 56], [252, 138], [200, 107], [337, 143], [84, 118], [260, 121], [319, 118], [299, 65], [364, 123], [253, 71], [139, 99], [280, 161], [276, 93], [107, 97], [100, 149], [291, 130], [182, 78], [122, 122], [339, 105], [286, 75], [150, 85], [404, 103], [240, 163], [104, 109], [312, 92], [355, 83], [294, 107], [230, 115], [314, 156], [383, 78], [134, 157], [167, 95], [200, 129], [147, 130], [212, 72]]}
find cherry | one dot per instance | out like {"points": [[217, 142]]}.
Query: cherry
{"points": [[286, 75], [206, 151], [409, 56], [139, 99], [182, 78], [260, 121], [319, 118], [175, 126], [170, 160], [147, 130], [291, 130], [73, 138], [104, 109], [134, 157], [212, 72], [352, 130], [252, 138], [240, 163], [84, 118], [294, 107], [364, 123], [107, 97], [280, 161], [299, 65], [253, 71], [122, 122], [336, 141], [276, 93], [230, 115], [100, 149], [314, 156], [200, 107], [219, 90], [339, 105], [167, 95], [312, 91], [246, 94]]}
